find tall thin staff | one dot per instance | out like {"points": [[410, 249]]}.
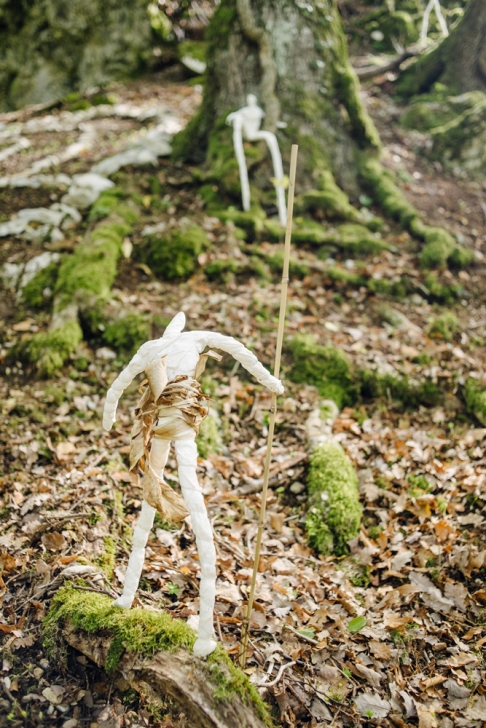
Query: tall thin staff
{"points": [[245, 629]]}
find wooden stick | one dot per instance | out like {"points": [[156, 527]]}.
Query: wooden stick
{"points": [[245, 630]]}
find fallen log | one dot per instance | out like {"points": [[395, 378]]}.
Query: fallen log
{"points": [[393, 64], [153, 654]]}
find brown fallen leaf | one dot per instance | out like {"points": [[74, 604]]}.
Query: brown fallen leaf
{"points": [[393, 620], [426, 719], [53, 541], [65, 451], [381, 650]]}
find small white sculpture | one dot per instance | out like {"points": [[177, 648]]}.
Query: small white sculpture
{"points": [[171, 409], [246, 123], [432, 4]]}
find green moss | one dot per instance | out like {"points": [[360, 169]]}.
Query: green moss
{"points": [[174, 254], [193, 48], [223, 269], [105, 204], [107, 560], [334, 510], [209, 439], [329, 199], [446, 326], [358, 240], [128, 333], [47, 352], [444, 293], [90, 271], [373, 384], [439, 245], [45, 279], [252, 222], [346, 276], [143, 632], [461, 257], [297, 268], [326, 367], [475, 397], [387, 194]]}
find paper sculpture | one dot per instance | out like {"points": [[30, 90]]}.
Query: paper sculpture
{"points": [[246, 123], [171, 410]]}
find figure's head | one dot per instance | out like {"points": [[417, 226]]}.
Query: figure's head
{"points": [[251, 100], [176, 325]]}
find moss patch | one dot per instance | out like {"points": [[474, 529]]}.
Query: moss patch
{"points": [[445, 326], [47, 352], [174, 254], [475, 397], [326, 367], [143, 632], [209, 440], [33, 294], [334, 510], [128, 333]]}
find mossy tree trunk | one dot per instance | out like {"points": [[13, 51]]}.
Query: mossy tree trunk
{"points": [[294, 59], [49, 48], [459, 61]]}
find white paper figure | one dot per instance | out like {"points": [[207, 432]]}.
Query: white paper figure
{"points": [[246, 123], [432, 4], [171, 410]]}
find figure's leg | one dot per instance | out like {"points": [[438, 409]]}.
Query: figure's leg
{"points": [[186, 452], [272, 144], [159, 453], [240, 156]]}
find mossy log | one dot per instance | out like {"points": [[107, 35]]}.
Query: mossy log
{"points": [[334, 510], [153, 654], [83, 282]]}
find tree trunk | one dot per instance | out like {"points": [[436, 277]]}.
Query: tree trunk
{"points": [[294, 58], [49, 48], [458, 62]]}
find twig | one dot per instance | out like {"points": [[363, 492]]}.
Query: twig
{"points": [[302, 636], [276, 680], [245, 632]]}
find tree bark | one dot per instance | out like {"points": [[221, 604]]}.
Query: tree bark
{"points": [[459, 61], [178, 675], [294, 59]]}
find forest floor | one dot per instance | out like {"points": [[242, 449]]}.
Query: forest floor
{"points": [[416, 571]]}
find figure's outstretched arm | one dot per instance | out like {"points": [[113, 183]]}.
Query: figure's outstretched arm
{"points": [[123, 380], [246, 358]]}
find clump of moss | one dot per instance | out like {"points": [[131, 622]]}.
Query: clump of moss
{"points": [[142, 632], [297, 268], [34, 292], [329, 199], [128, 333], [461, 257], [443, 293], [223, 269], [324, 366], [209, 439], [446, 326], [334, 510], [475, 397], [439, 245], [48, 351], [373, 384], [90, 271], [175, 253], [252, 222], [105, 204], [387, 194]]}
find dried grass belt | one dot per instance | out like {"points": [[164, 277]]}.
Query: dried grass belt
{"points": [[177, 414]]}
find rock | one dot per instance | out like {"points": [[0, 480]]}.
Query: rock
{"points": [[85, 190], [34, 265]]}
